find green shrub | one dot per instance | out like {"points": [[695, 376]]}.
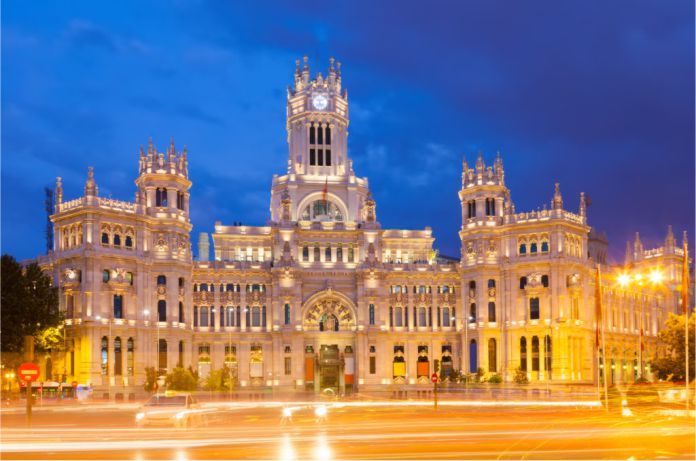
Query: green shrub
{"points": [[150, 379], [181, 379], [495, 379], [520, 376]]}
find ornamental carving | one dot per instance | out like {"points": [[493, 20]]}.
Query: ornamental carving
{"points": [[160, 242], [256, 297], [161, 290], [329, 315], [423, 298], [230, 297], [202, 297], [445, 298], [491, 292], [534, 280], [573, 280], [398, 298], [70, 276]]}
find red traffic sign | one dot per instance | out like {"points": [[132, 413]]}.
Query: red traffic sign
{"points": [[433, 378], [74, 384], [29, 371]]}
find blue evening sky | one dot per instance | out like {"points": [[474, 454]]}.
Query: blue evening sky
{"points": [[596, 95]]}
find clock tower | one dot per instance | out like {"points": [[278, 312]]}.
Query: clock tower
{"points": [[320, 184], [317, 123]]}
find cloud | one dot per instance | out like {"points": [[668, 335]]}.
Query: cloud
{"points": [[85, 34]]}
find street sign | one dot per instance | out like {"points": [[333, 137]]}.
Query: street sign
{"points": [[29, 372], [74, 384], [433, 378]]}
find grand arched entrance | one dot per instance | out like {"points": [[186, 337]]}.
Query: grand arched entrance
{"points": [[329, 323]]}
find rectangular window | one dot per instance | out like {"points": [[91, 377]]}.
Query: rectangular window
{"points": [[373, 365], [351, 254], [288, 365], [312, 157], [320, 157], [534, 308], [305, 253], [372, 314], [328, 157], [320, 135]]}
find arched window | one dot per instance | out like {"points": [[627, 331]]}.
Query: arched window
{"points": [[491, 283], [545, 281], [535, 353], [312, 134], [130, 358], [287, 314], [256, 316], [490, 207], [118, 306], [195, 316], [446, 321], [492, 355], [182, 282], [305, 253], [180, 200], [162, 355], [339, 253], [180, 362], [472, 288], [523, 248], [69, 306], [534, 308], [544, 246], [104, 355], [161, 197], [548, 355], [117, 240], [523, 353], [398, 317], [205, 316], [523, 283], [317, 253], [161, 280], [181, 312], [328, 322], [230, 316], [533, 247], [104, 238], [472, 313], [371, 315], [327, 253], [212, 316], [328, 136], [473, 356], [161, 310], [203, 287], [105, 276], [322, 210], [422, 320], [118, 358], [491, 311]]}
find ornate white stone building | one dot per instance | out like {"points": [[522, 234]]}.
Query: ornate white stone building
{"points": [[323, 296]]}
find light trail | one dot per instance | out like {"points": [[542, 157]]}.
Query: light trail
{"points": [[167, 444]]}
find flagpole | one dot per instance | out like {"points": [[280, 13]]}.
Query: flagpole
{"points": [[604, 348], [685, 310]]}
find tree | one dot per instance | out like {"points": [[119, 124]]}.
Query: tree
{"points": [[150, 379], [29, 303], [218, 380], [181, 379], [670, 366]]}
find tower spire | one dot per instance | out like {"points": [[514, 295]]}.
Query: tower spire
{"points": [[91, 188], [583, 205], [557, 202], [628, 257]]}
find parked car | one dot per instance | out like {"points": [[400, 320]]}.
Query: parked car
{"points": [[178, 410]]}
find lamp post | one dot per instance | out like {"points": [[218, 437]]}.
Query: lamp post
{"points": [[637, 280]]}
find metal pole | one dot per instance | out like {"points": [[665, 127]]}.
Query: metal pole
{"points": [[641, 339], [29, 403], [604, 347], [686, 347]]}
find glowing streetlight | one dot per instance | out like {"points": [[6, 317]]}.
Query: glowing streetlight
{"points": [[656, 276], [624, 279]]}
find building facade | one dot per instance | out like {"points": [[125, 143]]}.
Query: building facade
{"points": [[323, 297]]}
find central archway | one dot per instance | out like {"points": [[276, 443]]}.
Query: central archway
{"points": [[328, 310]]}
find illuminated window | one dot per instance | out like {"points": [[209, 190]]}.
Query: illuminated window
{"points": [[534, 308], [322, 210], [118, 358]]}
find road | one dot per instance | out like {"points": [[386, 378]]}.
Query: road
{"points": [[383, 430]]}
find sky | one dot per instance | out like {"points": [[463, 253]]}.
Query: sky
{"points": [[598, 96]]}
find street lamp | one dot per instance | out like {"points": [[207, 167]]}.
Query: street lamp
{"points": [[637, 280], [9, 376]]}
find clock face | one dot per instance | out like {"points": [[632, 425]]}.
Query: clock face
{"points": [[320, 101]]}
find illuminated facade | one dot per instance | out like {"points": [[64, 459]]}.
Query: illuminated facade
{"points": [[323, 296]]}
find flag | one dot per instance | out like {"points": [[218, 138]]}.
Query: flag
{"points": [[598, 305], [685, 280]]}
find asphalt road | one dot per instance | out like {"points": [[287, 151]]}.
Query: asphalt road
{"points": [[388, 430]]}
